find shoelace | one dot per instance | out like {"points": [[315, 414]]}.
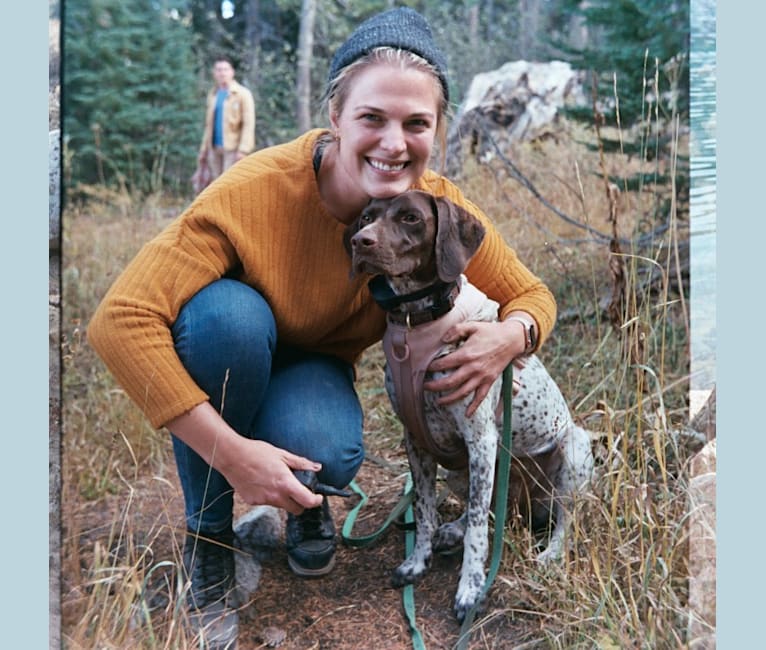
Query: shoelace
{"points": [[311, 524]]}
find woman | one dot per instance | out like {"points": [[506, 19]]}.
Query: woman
{"points": [[237, 327]]}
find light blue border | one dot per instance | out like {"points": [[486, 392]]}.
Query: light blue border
{"points": [[741, 570], [24, 327]]}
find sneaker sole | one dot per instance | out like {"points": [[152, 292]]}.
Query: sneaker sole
{"points": [[310, 573]]}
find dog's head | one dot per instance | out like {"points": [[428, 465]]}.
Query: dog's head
{"points": [[414, 235]]}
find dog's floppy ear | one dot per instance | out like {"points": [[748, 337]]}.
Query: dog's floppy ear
{"points": [[458, 236]]}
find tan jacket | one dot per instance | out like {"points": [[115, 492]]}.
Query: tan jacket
{"points": [[238, 120]]}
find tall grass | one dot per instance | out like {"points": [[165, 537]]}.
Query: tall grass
{"points": [[624, 373]]}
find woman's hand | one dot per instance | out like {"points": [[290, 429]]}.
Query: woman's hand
{"points": [[486, 351], [260, 473]]}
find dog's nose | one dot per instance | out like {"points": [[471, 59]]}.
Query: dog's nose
{"points": [[364, 240]]}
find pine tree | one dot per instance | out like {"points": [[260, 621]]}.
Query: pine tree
{"points": [[632, 42], [637, 52], [132, 109]]}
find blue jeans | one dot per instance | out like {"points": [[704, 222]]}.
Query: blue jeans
{"points": [[303, 402]]}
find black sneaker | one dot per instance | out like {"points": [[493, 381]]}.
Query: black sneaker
{"points": [[310, 541], [209, 564]]}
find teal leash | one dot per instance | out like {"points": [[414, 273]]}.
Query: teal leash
{"points": [[400, 508], [408, 592], [501, 504], [404, 507]]}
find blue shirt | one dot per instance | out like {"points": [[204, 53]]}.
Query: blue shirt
{"points": [[220, 97]]}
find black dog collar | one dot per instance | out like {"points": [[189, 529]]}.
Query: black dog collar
{"points": [[443, 293]]}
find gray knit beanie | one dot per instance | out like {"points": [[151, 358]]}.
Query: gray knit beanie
{"points": [[402, 28]]}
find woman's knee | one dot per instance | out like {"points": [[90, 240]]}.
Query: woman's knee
{"points": [[339, 449], [225, 325], [225, 337], [340, 467], [226, 312]]}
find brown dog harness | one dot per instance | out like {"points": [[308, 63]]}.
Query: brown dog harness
{"points": [[409, 350]]}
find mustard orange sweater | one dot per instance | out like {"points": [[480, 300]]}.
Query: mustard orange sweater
{"points": [[264, 223]]}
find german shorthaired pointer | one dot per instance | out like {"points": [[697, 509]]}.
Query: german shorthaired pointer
{"points": [[418, 247]]}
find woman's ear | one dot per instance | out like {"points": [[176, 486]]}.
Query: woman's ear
{"points": [[334, 121]]}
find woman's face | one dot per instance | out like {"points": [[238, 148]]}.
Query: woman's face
{"points": [[386, 128]]}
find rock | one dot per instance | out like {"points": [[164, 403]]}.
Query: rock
{"points": [[272, 637], [259, 531], [702, 549], [256, 534], [704, 418], [519, 101]]}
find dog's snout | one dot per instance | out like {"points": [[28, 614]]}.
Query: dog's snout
{"points": [[363, 240]]}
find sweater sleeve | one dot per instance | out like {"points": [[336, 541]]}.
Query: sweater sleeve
{"points": [[261, 222], [130, 329], [496, 268]]}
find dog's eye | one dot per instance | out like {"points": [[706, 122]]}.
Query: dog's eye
{"points": [[365, 218], [410, 217]]}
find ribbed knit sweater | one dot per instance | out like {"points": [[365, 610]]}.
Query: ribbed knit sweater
{"points": [[264, 223]]}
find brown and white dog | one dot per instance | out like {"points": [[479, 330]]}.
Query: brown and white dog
{"points": [[419, 245]]}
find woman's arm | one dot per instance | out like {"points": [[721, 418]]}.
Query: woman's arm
{"points": [[259, 472]]}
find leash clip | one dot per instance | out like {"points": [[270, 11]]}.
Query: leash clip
{"points": [[310, 480]]}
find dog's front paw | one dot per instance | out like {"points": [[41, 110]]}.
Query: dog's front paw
{"points": [[466, 600], [470, 592], [410, 571]]}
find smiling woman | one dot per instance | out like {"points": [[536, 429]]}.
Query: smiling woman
{"points": [[248, 296], [383, 136]]}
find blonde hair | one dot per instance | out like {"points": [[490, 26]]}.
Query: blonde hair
{"points": [[339, 88]]}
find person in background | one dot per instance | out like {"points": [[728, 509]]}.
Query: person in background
{"points": [[238, 327], [229, 121]]}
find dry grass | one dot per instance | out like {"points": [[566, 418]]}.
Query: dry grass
{"points": [[624, 583]]}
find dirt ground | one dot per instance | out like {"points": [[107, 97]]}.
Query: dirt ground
{"points": [[352, 608]]}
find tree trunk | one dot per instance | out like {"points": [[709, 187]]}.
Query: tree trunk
{"points": [[253, 44], [473, 24], [529, 22], [305, 48], [578, 32]]}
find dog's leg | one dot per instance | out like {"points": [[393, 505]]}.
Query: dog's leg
{"points": [[573, 475], [423, 468], [449, 536], [481, 442]]}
